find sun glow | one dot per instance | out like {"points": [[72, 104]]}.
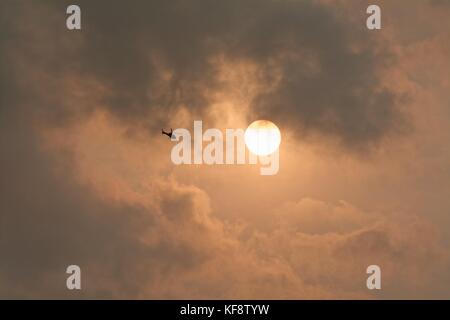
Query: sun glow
{"points": [[262, 137]]}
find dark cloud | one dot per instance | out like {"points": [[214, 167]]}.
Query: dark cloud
{"points": [[318, 72]]}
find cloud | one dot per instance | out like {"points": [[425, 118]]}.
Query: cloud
{"points": [[50, 222], [83, 182], [333, 263], [317, 72], [160, 239], [311, 216]]}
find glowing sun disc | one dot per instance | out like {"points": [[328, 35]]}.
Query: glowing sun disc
{"points": [[262, 137]]}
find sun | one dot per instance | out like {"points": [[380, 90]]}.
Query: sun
{"points": [[262, 137]]}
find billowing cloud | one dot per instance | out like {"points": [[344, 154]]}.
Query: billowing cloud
{"points": [[317, 72]]}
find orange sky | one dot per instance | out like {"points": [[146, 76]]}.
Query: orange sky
{"points": [[87, 177]]}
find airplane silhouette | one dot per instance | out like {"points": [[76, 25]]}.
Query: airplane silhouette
{"points": [[169, 134]]}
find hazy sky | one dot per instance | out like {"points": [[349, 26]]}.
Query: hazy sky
{"points": [[87, 179]]}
